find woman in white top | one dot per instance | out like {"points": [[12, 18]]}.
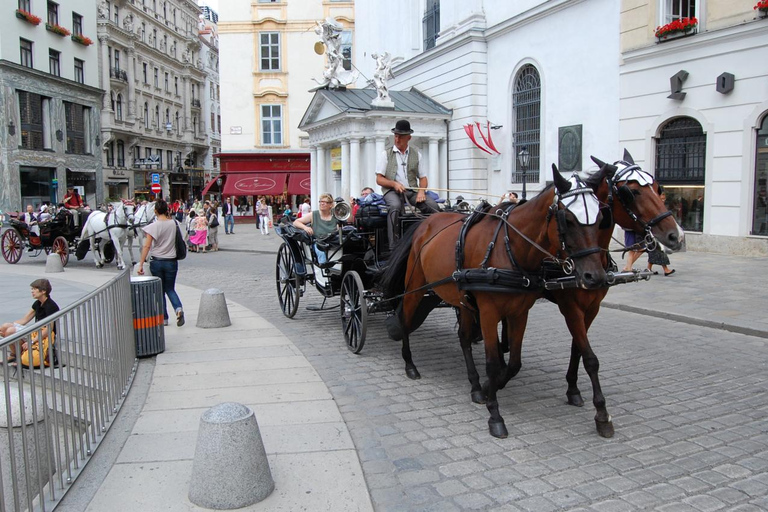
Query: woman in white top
{"points": [[161, 245]]}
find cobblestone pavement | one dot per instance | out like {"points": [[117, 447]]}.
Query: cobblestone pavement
{"points": [[688, 403]]}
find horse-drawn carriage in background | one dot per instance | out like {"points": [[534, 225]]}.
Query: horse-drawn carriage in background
{"points": [[57, 235]]}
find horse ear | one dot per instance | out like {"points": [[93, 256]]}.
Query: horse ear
{"points": [[628, 158], [562, 184], [599, 162]]}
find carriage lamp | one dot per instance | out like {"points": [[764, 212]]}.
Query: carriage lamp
{"points": [[524, 157]]}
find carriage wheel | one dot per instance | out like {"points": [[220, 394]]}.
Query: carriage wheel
{"points": [[60, 246], [288, 292], [108, 252], [12, 246], [354, 311]]}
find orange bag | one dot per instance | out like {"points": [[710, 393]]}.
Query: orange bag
{"points": [[34, 348]]}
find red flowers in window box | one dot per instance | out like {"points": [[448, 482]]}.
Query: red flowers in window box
{"points": [[683, 25], [83, 40], [28, 17], [57, 29], [762, 6]]}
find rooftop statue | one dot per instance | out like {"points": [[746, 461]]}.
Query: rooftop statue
{"points": [[383, 73], [335, 75]]}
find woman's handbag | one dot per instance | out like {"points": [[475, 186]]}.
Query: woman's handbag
{"points": [[181, 246]]}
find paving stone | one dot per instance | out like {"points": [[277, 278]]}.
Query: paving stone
{"points": [[704, 503]]}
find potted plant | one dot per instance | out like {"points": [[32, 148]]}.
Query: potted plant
{"points": [[28, 17], [57, 29], [83, 40], [762, 8], [676, 28]]}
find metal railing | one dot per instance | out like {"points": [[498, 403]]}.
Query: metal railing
{"points": [[57, 414]]}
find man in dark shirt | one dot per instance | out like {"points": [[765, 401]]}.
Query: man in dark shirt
{"points": [[42, 308]]}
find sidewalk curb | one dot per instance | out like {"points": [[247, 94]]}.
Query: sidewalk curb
{"points": [[687, 320]]}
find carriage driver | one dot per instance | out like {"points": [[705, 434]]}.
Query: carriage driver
{"points": [[398, 172], [73, 202]]}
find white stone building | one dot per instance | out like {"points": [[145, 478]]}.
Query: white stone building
{"points": [[527, 69], [50, 103], [211, 96], [694, 110]]}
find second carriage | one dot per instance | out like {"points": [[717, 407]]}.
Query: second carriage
{"points": [[355, 256]]}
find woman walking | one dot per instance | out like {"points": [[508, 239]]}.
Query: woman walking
{"points": [[213, 226], [263, 212], [161, 245]]}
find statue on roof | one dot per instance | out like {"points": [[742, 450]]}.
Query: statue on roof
{"points": [[334, 75], [381, 74]]}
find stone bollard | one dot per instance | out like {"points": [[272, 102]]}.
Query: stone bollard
{"points": [[31, 438], [53, 264], [230, 469], [213, 310]]}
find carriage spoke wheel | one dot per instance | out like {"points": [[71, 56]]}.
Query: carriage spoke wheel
{"points": [[354, 311], [12, 246], [60, 246], [287, 279]]}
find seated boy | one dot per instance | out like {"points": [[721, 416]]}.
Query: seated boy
{"points": [[43, 307]]}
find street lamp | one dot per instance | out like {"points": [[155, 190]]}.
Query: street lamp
{"points": [[218, 183], [524, 157]]}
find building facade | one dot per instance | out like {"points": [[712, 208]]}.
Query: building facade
{"points": [[510, 78], [50, 103], [153, 117], [268, 63], [694, 110]]}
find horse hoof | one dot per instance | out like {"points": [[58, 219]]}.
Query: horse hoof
{"points": [[477, 397], [99, 265], [412, 373], [575, 400], [498, 429], [604, 428]]}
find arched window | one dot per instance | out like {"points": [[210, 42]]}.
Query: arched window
{"points": [[119, 107], [112, 100], [526, 104], [760, 212], [167, 116], [157, 117], [178, 126], [681, 151]]}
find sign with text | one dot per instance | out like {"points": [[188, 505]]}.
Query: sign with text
{"points": [[336, 159]]}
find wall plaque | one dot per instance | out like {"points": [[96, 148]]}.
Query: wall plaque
{"points": [[569, 148]]}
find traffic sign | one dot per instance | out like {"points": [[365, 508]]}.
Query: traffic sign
{"points": [[156, 188], [155, 178]]}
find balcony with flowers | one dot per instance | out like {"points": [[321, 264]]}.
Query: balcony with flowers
{"points": [[28, 17], [678, 28]]}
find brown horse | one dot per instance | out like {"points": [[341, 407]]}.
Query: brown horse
{"points": [[533, 232], [633, 202]]}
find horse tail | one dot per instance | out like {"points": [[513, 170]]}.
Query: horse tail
{"points": [[392, 279]]}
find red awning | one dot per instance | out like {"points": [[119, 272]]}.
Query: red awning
{"points": [[299, 183], [261, 184], [209, 185]]}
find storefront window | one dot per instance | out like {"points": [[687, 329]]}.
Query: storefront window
{"points": [[36, 186], [760, 213], [680, 167]]}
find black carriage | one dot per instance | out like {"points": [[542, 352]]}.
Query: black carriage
{"points": [[355, 255], [57, 235]]}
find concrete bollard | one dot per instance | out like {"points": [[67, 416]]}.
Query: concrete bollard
{"points": [[29, 440], [213, 310], [230, 469], [53, 264]]}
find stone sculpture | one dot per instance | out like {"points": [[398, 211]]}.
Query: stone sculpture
{"points": [[335, 75]]}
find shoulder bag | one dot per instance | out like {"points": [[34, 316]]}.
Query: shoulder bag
{"points": [[181, 246]]}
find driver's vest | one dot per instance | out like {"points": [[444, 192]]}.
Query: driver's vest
{"points": [[412, 169]]}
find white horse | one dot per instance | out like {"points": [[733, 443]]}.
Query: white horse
{"points": [[116, 224], [145, 214]]}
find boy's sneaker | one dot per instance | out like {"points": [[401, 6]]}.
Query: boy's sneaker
{"points": [[180, 317]]}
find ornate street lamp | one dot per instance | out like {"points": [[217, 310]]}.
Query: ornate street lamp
{"points": [[218, 183], [524, 157]]}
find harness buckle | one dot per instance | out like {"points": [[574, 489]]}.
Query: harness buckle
{"points": [[567, 266]]}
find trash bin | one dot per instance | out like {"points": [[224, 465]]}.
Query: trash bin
{"points": [[147, 302]]}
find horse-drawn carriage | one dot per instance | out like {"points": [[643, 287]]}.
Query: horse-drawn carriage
{"points": [[354, 257], [492, 267], [57, 235]]}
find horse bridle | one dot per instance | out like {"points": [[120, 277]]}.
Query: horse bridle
{"points": [[614, 189]]}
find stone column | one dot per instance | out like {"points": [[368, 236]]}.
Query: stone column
{"points": [[106, 102], [314, 177], [187, 104], [345, 170], [443, 169], [370, 161], [433, 176], [358, 171], [322, 179], [131, 100]]}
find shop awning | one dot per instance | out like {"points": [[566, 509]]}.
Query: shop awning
{"points": [[299, 183], [261, 184], [211, 184]]}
